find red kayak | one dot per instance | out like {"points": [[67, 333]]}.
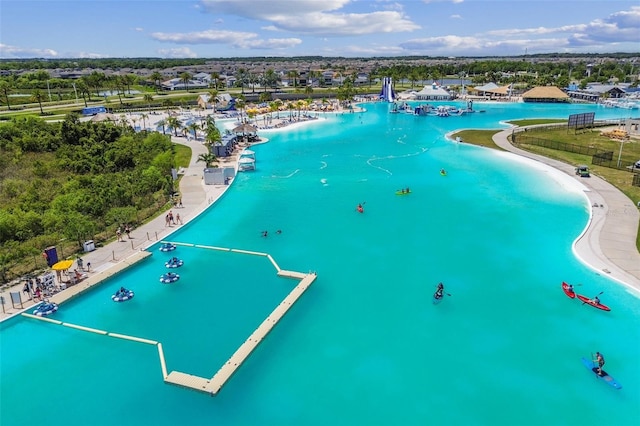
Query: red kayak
{"points": [[568, 290], [593, 303]]}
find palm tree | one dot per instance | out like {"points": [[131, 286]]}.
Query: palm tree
{"points": [[156, 77], [96, 80], [185, 77], [216, 78], [213, 136], [115, 83], [208, 159], [213, 93], [240, 104], [148, 98], [38, 96], [271, 78], [162, 123], [264, 97], [293, 74], [299, 106], [241, 77], [144, 120], [175, 124], [128, 80], [81, 86], [5, 88], [194, 127]]}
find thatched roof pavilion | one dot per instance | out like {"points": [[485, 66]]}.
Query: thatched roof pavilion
{"points": [[545, 94]]}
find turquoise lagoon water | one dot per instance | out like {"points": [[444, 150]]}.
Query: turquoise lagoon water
{"points": [[364, 345]]}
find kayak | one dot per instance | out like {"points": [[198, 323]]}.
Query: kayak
{"points": [[403, 192], [605, 377], [592, 303], [567, 291], [437, 299]]}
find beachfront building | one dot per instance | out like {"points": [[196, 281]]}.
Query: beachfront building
{"points": [[433, 93], [545, 94], [179, 84]]}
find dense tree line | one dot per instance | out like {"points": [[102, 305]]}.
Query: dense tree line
{"points": [[73, 180]]}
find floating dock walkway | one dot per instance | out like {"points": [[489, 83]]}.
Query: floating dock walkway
{"points": [[212, 385]]}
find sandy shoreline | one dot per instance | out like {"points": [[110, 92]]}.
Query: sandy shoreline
{"points": [[606, 245]]}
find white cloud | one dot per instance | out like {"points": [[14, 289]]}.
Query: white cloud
{"points": [[178, 52], [455, 17], [597, 35], [316, 17], [87, 55], [236, 39], [621, 26], [139, 29], [8, 51]]}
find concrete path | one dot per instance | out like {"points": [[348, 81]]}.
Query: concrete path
{"points": [[608, 244], [196, 197]]}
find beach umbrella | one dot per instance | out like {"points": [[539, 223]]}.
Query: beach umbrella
{"points": [[63, 265]]}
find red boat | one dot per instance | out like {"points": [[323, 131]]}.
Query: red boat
{"points": [[593, 303], [568, 290]]}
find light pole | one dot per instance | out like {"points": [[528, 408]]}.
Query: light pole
{"points": [[620, 154]]}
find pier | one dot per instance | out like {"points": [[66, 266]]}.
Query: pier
{"points": [[214, 384]]}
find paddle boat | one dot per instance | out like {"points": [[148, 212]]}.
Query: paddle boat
{"points": [[595, 302], [168, 247], [403, 191], [443, 172], [169, 277], [122, 295], [174, 262], [45, 308], [568, 290]]}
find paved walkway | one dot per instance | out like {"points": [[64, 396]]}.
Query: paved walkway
{"points": [[196, 197], [608, 245]]}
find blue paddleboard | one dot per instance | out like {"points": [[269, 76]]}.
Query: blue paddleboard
{"points": [[605, 377]]}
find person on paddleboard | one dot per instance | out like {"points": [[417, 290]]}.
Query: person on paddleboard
{"points": [[600, 361]]}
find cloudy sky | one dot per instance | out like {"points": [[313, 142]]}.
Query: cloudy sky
{"points": [[349, 28]]}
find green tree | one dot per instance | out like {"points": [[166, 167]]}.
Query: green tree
{"points": [[6, 88], [148, 98], [185, 77], [209, 159], [175, 124], [38, 96], [156, 77]]}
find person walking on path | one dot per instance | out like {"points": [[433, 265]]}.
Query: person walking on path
{"points": [[127, 230], [119, 234], [178, 219]]}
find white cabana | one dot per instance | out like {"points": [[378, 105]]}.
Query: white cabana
{"points": [[246, 163], [247, 153]]}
